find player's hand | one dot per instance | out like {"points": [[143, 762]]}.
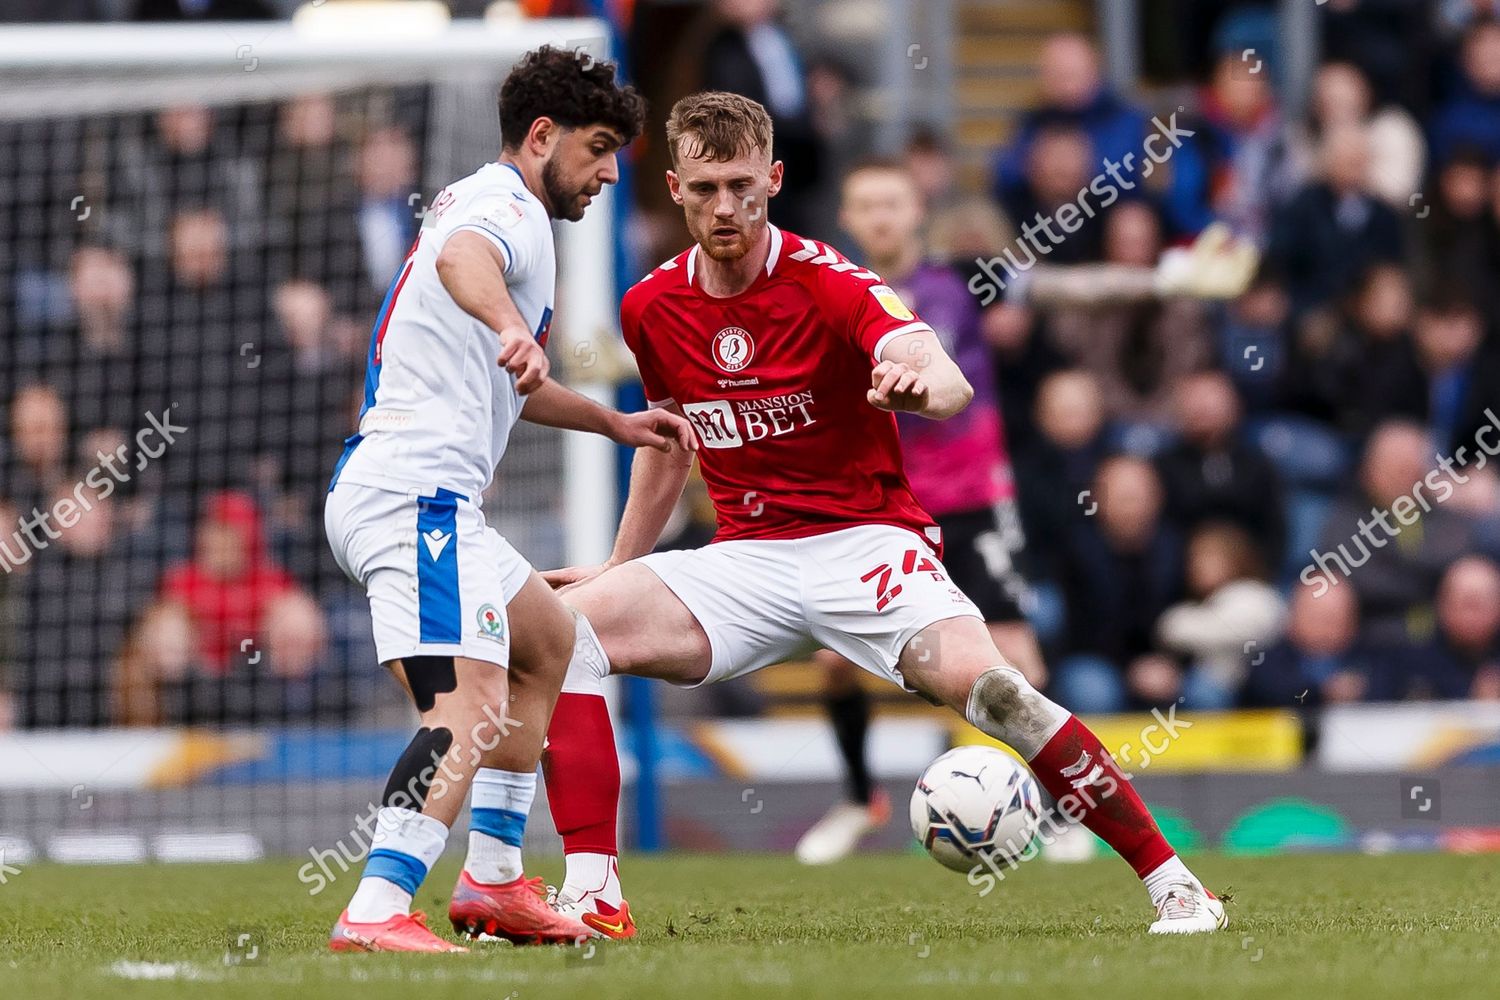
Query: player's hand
{"points": [[896, 387], [524, 358], [565, 579], [659, 429]]}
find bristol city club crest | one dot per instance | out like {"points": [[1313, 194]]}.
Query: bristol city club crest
{"points": [[733, 348]]}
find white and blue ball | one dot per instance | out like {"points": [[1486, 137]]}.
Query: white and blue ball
{"points": [[975, 803]]}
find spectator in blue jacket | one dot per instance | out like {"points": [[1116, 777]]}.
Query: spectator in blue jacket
{"points": [[1073, 96], [1123, 566], [1462, 660], [1472, 117], [1238, 166], [1334, 228], [1320, 660]]}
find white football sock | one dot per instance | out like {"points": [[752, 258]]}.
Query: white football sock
{"points": [[405, 846], [377, 900], [498, 810], [1003, 704], [1165, 875], [588, 666], [596, 874], [491, 860]]}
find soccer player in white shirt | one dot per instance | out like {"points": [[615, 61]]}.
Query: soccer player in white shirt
{"points": [[456, 358]]}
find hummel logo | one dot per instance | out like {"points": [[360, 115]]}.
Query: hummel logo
{"points": [[1088, 779], [819, 254], [436, 541], [1078, 767]]}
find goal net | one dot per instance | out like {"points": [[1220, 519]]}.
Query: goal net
{"points": [[197, 226]]}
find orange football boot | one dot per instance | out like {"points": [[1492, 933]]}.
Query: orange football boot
{"points": [[404, 932], [516, 911]]}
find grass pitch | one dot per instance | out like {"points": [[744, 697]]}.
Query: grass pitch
{"points": [[712, 927]]}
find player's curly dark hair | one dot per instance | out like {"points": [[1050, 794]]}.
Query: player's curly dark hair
{"points": [[573, 89]]}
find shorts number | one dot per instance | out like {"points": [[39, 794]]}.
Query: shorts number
{"points": [[884, 592], [911, 562]]}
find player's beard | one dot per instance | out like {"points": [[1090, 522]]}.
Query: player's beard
{"points": [[733, 250], [566, 205]]}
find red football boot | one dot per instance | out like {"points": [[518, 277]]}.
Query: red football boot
{"points": [[405, 932], [516, 911]]}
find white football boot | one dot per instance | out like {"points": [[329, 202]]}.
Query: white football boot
{"points": [[601, 909], [838, 833], [1188, 908]]}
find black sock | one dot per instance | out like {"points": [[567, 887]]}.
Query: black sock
{"points": [[850, 715]]}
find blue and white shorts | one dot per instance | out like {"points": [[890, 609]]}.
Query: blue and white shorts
{"points": [[438, 577]]}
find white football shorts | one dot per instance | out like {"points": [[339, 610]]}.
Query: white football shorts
{"points": [[437, 575], [862, 592]]}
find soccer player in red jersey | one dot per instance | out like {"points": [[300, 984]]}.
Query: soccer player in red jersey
{"points": [[790, 361], [959, 470]]}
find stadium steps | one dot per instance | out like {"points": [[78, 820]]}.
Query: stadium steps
{"points": [[995, 70]]}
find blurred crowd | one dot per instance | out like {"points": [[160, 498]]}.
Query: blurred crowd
{"points": [[1227, 445], [1181, 462], [213, 270], [1177, 461]]}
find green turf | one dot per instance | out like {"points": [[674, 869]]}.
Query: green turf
{"points": [[1324, 927]]}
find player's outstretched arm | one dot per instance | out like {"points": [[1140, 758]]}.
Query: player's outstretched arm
{"points": [[656, 482], [472, 269], [555, 405], [915, 375]]}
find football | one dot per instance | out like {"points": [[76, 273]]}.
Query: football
{"points": [[975, 803]]}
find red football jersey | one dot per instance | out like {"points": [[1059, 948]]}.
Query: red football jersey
{"points": [[774, 382]]}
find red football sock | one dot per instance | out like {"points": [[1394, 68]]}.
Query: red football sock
{"points": [[583, 774], [1075, 765]]}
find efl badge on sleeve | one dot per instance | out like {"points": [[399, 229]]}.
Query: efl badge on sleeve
{"points": [[891, 302]]}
